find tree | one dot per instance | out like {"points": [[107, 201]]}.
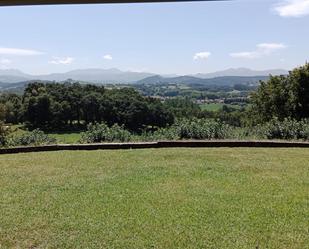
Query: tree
{"points": [[13, 106], [58, 105], [299, 91], [182, 107], [37, 111], [3, 129], [283, 96], [91, 107]]}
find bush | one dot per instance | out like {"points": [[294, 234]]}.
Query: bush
{"points": [[194, 129], [35, 137], [4, 132], [97, 133], [286, 129]]}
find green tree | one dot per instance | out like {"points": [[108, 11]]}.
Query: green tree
{"points": [[282, 97], [3, 129], [182, 107]]}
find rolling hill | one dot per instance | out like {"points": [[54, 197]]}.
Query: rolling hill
{"points": [[15, 79], [191, 80], [90, 75]]}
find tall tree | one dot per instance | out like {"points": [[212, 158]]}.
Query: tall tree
{"points": [[283, 96]]}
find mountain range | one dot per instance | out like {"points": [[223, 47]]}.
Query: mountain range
{"points": [[242, 72], [92, 75], [194, 81], [10, 78]]}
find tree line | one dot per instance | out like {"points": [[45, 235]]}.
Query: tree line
{"points": [[55, 106], [69, 105]]}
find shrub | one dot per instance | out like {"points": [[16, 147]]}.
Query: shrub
{"points": [[286, 129], [35, 137], [4, 132], [194, 129], [97, 133]]}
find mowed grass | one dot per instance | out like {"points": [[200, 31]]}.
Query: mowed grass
{"points": [[62, 137], [217, 106], [66, 138], [156, 198]]}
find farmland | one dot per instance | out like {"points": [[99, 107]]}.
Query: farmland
{"points": [[217, 106], [155, 198]]}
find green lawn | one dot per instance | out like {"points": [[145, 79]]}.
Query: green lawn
{"points": [[62, 137], [66, 138], [156, 198], [217, 106]]}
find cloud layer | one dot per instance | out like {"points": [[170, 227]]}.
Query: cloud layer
{"points": [[292, 8], [201, 56], [107, 57], [5, 61], [62, 60], [262, 49], [19, 51]]}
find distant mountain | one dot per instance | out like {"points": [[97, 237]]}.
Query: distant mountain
{"points": [[216, 81], [13, 76], [113, 76], [90, 75], [14, 87], [14, 72], [98, 76], [241, 72]]}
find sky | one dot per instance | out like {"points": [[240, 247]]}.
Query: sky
{"points": [[166, 38]]}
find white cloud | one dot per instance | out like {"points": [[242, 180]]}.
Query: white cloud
{"points": [[292, 8], [271, 46], [245, 55], [201, 56], [62, 60], [262, 49], [4, 61], [107, 57], [19, 51]]}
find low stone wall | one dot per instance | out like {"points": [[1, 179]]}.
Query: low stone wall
{"points": [[233, 143], [160, 144]]}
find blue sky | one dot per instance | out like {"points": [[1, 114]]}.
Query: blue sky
{"points": [[164, 38]]}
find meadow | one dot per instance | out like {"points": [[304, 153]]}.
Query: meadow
{"points": [[156, 198], [213, 107], [66, 137]]}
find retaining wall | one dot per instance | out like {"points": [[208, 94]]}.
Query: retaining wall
{"points": [[160, 144]]}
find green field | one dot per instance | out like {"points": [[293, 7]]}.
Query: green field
{"points": [[62, 137], [66, 137], [156, 198], [217, 106]]}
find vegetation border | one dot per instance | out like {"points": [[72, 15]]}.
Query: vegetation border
{"points": [[159, 144]]}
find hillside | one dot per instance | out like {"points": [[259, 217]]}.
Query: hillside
{"points": [[217, 81], [90, 75], [116, 76], [247, 72]]}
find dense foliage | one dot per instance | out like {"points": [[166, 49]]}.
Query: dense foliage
{"points": [[102, 133], [182, 107], [279, 109], [283, 96], [35, 137], [3, 128], [3, 134], [55, 106], [206, 129], [194, 129], [181, 129], [285, 129]]}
